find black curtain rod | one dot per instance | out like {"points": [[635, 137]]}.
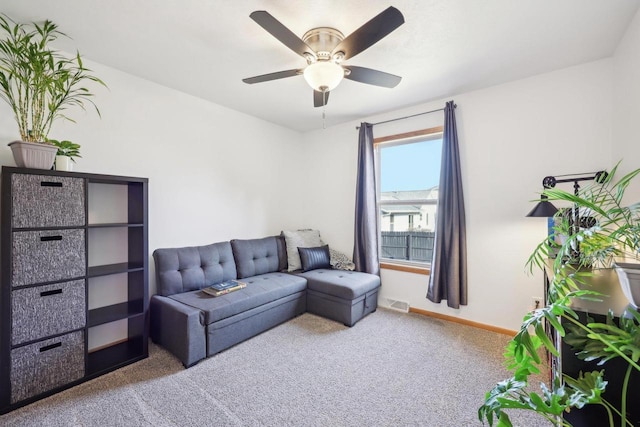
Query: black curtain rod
{"points": [[408, 117]]}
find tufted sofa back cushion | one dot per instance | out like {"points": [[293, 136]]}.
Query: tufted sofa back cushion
{"points": [[188, 269], [256, 256]]}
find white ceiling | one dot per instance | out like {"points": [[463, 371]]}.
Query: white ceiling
{"points": [[445, 47]]}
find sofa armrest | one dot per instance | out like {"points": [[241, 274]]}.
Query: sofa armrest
{"points": [[179, 328]]}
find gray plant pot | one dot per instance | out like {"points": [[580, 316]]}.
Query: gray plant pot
{"points": [[33, 155], [629, 277]]}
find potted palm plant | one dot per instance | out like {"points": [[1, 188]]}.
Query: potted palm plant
{"points": [[611, 234], [39, 84]]}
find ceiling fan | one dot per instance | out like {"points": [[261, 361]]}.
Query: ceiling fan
{"points": [[325, 48]]}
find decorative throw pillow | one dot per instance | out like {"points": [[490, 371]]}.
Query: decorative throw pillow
{"points": [[340, 261], [296, 239], [313, 258], [282, 252]]}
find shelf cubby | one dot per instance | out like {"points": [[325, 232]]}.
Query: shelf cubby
{"points": [[109, 358], [111, 313], [121, 267]]}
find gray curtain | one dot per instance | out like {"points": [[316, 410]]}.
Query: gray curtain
{"points": [[448, 279], [365, 250]]}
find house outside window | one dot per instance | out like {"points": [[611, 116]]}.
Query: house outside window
{"points": [[408, 170]]}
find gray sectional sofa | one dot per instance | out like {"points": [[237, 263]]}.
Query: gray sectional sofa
{"points": [[193, 325]]}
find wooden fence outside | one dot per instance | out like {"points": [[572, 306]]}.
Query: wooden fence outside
{"points": [[408, 245]]}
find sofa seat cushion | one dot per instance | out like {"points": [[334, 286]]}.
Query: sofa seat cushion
{"points": [[342, 284], [260, 290]]}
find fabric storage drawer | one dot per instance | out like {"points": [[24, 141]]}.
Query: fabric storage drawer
{"points": [[45, 365], [342, 310], [47, 310], [46, 256], [47, 201]]}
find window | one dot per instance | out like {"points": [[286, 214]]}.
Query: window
{"points": [[408, 168]]}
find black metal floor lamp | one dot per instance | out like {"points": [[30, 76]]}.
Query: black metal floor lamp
{"points": [[544, 208]]}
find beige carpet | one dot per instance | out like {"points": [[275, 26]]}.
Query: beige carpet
{"points": [[390, 369]]}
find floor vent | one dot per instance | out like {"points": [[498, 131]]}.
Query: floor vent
{"points": [[395, 304]]}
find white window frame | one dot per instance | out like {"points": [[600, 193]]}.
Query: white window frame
{"points": [[429, 134]]}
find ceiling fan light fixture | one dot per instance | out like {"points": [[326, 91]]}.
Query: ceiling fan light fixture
{"points": [[323, 75]]}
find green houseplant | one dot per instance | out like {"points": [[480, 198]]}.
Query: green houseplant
{"points": [[66, 154], [613, 232], [40, 85], [66, 148]]}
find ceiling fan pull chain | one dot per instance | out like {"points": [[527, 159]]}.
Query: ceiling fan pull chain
{"points": [[324, 109]]}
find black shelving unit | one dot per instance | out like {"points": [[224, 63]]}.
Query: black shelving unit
{"points": [[133, 270]]}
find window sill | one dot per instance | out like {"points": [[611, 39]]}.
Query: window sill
{"points": [[406, 268]]}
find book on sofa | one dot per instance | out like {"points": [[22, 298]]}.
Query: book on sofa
{"points": [[224, 287]]}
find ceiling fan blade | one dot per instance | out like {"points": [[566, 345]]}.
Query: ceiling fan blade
{"points": [[272, 76], [372, 77], [282, 33], [320, 99], [370, 33]]}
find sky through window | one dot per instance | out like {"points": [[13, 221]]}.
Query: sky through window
{"points": [[414, 166]]}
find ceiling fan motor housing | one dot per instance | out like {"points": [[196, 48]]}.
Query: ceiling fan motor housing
{"points": [[323, 40]]}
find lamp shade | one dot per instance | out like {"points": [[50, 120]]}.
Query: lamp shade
{"points": [[323, 75], [543, 209]]}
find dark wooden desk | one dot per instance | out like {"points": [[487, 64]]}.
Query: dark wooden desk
{"points": [[605, 282]]}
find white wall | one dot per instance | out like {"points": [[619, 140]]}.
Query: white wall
{"points": [[511, 136], [626, 104], [214, 174], [217, 174]]}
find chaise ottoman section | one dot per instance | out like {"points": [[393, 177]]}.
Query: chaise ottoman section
{"points": [[343, 296]]}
